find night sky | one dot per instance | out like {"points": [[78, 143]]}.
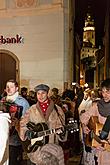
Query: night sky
{"points": [[98, 9]]}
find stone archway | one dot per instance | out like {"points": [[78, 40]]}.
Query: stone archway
{"points": [[9, 68]]}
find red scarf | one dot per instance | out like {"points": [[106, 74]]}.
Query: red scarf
{"points": [[44, 106]]}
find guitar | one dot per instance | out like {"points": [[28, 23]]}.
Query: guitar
{"points": [[42, 134], [92, 139], [15, 112]]}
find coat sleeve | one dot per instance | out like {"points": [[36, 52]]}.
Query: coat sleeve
{"points": [[93, 111], [61, 115], [63, 135], [23, 127]]}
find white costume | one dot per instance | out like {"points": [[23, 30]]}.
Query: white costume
{"points": [[88, 158], [4, 133], [85, 105]]}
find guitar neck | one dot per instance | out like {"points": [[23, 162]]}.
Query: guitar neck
{"points": [[72, 127], [47, 132], [96, 137]]}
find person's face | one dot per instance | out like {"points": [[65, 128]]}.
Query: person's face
{"points": [[42, 95], [11, 89], [106, 94], [24, 93], [54, 93], [31, 94]]}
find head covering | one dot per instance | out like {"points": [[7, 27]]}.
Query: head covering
{"points": [[48, 154], [41, 87]]}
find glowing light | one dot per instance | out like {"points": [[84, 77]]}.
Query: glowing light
{"points": [[86, 85], [81, 76], [89, 28]]}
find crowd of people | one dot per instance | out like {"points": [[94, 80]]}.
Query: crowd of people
{"points": [[38, 125]]}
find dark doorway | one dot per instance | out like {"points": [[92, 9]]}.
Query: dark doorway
{"points": [[89, 78], [7, 69]]}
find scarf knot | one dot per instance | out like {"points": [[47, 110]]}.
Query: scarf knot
{"points": [[44, 105]]}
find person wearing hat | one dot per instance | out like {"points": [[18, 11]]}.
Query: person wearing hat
{"points": [[44, 112]]}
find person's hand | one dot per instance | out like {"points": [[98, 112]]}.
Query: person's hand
{"points": [[17, 125], [14, 121], [104, 141], [100, 148], [59, 131], [30, 134]]}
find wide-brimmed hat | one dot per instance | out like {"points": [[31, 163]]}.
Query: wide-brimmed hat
{"points": [[41, 87]]}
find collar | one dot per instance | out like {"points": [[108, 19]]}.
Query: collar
{"points": [[13, 97]]}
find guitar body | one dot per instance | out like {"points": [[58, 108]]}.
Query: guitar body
{"points": [[33, 144], [93, 139], [42, 133]]}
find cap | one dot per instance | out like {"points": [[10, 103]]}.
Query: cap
{"points": [[41, 87]]}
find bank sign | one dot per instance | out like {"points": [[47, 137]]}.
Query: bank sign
{"points": [[11, 40]]}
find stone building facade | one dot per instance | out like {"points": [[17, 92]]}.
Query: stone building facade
{"points": [[35, 40]]}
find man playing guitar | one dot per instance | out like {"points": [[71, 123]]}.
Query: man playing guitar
{"points": [[100, 109], [44, 111]]}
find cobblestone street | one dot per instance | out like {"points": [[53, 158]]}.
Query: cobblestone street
{"points": [[75, 160]]}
